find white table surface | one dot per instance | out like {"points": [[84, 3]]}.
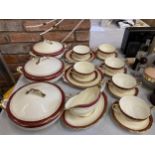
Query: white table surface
{"points": [[106, 125]]}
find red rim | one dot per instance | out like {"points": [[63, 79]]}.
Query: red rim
{"points": [[85, 126], [44, 78], [39, 122]]}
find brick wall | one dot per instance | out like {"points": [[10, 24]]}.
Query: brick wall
{"points": [[16, 39]]}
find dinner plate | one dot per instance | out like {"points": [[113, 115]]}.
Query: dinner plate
{"points": [[70, 59], [117, 92], [103, 56], [110, 72], [78, 122], [134, 107], [68, 78], [128, 123]]}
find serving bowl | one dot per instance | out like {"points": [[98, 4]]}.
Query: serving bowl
{"points": [[33, 105], [134, 107], [49, 48], [81, 50], [42, 69]]}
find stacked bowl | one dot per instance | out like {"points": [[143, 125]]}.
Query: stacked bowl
{"points": [[113, 65], [83, 74], [123, 85], [132, 113], [79, 53], [105, 51], [85, 108]]}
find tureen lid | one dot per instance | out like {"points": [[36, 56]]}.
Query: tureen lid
{"points": [[107, 48], [124, 80], [44, 66], [36, 101], [81, 49], [48, 47]]}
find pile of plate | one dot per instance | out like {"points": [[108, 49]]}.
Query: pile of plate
{"points": [[36, 105], [49, 48], [83, 74], [79, 53], [85, 108], [105, 51], [43, 69], [113, 65], [133, 114], [123, 85], [149, 77]]}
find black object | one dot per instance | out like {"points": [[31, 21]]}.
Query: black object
{"points": [[134, 38], [152, 98]]}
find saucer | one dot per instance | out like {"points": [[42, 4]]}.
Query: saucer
{"points": [[103, 56], [78, 122], [128, 123], [70, 59], [68, 78], [116, 91]]}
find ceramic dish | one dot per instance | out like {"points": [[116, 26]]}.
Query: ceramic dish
{"points": [[70, 59], [48, 48], [81, 49], [77, 122], [84, 68], [117, 92], [33, 105], [107, 48], [103, 56], [68, 78], [42, 69], [130, 124], [80, 57], [149, 74], [114, 63], [134, 107], [124, 81]]}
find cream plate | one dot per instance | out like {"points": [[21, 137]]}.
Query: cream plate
{"points": [[124, 81], [84, 67], [115, 63], [48, 47], [103, 56], [80, 57], [46, 66], [33, 107], [128, 123], [119, 92], [107, 48], [83, 122], [134, 107], [81, 49], [68, 78]]}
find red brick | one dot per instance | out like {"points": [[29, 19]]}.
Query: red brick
{"points": [[11, 59], [4, 39], [58, 36], [82, 35], [24, 37], [23, 58]]}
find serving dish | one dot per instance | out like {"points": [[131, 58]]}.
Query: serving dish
{"points": [[81, 49], [42, 69], [49, 48], [130, 124], [70, 80], [118, 92], [84, 103], [78, 122], [134, 107], [124, 81], [33, 105]]}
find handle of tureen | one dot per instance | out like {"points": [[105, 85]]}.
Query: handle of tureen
{"points": [[20, 69], [3, 104], [36, 92], [32, 54]]}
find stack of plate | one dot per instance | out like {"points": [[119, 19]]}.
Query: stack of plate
{"points": [[149, 77], [43, 69], [105, 51], [79, 53], [133, 114], [85, 109], [113, 65], [83, 75], [122, 85]]}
